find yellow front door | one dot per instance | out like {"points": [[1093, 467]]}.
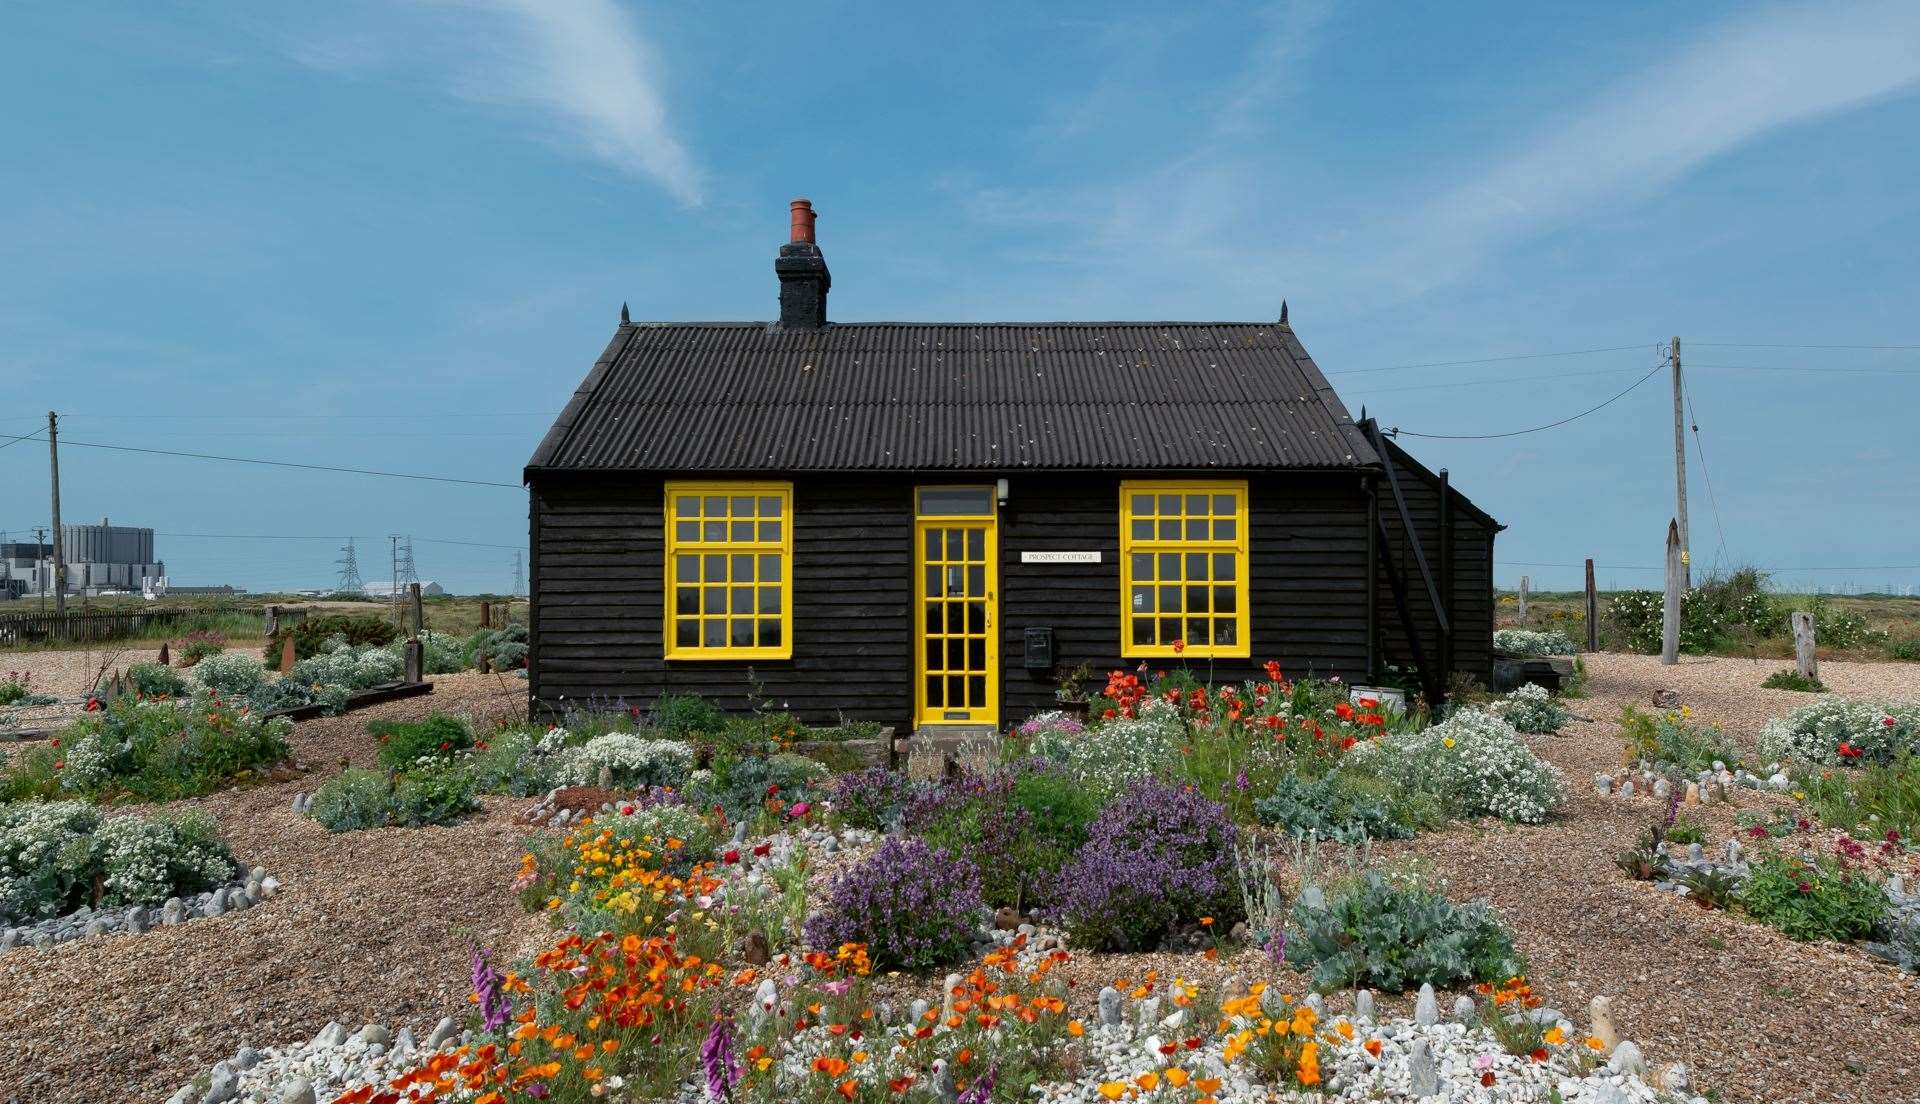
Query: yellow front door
{"points": [[957, 655]]}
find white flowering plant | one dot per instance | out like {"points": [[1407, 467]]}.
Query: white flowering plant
{"points": [[1533, 642], [1531, 709], [628, 761], [1120, 749], [1474, 763], [58, 855], [1843, 731], [230, 674]]}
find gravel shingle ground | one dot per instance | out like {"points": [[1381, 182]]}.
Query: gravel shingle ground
{"points": [[375, 926]]}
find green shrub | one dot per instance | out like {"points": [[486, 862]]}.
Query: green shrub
{"points": [[197, 646], [513, 763], [503, 649], [1868, 802], [1396, 934], [356, 799], [744, 787], [1905, 649], [315, 634], [1790, 679], [1018, 825], [628, 761], [230, 676], [1532, 710], [403, 743], [156, 680], [687, 715], [1529, 642], [154, 750], [1669, 738], [1338, 806], [1814, 898], [16, 688], [57, 856], [1473, 764], [1686, 830], [1715, 615], [1837, 731]]}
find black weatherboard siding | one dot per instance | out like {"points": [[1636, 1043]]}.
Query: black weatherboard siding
{"points": [[599, 591]]}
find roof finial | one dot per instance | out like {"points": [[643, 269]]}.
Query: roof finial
{"points": [[623, 314], [1283, 312]]}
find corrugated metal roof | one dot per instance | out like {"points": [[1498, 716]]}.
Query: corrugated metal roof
{"points": [[935, 396]]}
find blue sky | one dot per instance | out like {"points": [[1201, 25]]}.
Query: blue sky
{"points": [[394, 236]]}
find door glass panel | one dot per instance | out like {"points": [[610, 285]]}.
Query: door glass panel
{"points": [[1142, 599], [976, 544], [956, 501], [976, 617], [769, 569], [934, 683], [934, 655], [954, 544], [933, 581], [933, 544], [977, 582], [976, 654], [976, 691]]}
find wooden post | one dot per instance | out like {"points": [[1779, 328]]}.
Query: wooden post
{"points": [[59, 542], [416, 660], [1592, 611], [413, 597], [1680, 470], [286, 654], [1525, 585], [165, 660], [486, 615], [1803, 657], [1676, 591], [273, 621]]}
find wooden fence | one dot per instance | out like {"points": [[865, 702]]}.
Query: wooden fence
{"points": [[79, 628]]}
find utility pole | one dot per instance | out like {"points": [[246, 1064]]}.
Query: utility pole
{"points": [[39, 542], [59, 554], [519, 577], [1680, 470]]}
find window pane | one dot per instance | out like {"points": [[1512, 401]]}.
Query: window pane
{"points": [[1224, 504], [686, 506], [769, 569], [1169, 504], [743, 530], [686, 568], [1225, 631], [1169, 629], [1143, 630], [714, 531], [1170, 530], [1143, 530], [1223, 567], [714, 568], [1196, 504], [742, 633], [769, 599], [742, 507], [769, 531], [1225, 599], [1196, 565], [1196, 528], [686, 633], [686, 599], [740, 599], [1142, 599], [715, 600], [770, 506], [1169, 566], [1197, 599], [769, 633], [686, 530], [714, 506], [1169, 599], [1198, 634], [713, 634], [1143, 566], [1225, 529], [743, 569], [956, 501], [1141, 505]]}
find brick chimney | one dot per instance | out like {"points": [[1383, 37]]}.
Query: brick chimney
{"points": [[804, 278]]}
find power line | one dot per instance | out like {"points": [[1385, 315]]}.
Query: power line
{"points": [[16, 440], [1397, 431], [291, 464], [276, 415], [1815, 371], [1486, 360], [1694, 420], [1765, 345], [295, 537]]}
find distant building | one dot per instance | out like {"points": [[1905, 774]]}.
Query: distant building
{"points": [[385, 590], [100, 559]]}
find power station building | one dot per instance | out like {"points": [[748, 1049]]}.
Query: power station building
{"points": [[100, 558]]}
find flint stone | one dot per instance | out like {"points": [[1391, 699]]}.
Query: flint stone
{"points": [[245, 1058], [1674, 1078], [1148, 1012], [214, 907], [173, 912], [297, 1091], [443, 1033], [1780, 781], [95, 927], [136, 920], [1426, 1008], [1693, 793], [269, 886], [375, 1035], [1463, 1008], [1695, 854], [224, 1087], [1423, 1080], [1627, 1060], [9, 939], [1662, 789], [1363, 1004], [1603, 783], [1600, 1013], [1626, 788], [403, 1041], [917, 1012], [1235, 989], [1110, 1006], [331, 1035]]}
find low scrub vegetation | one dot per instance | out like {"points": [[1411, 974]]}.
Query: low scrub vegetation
{"points": [[56, 856], [151, 750]]}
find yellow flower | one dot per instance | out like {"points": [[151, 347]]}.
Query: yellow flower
{"points": [[1112, 1090], [1148, 1080], [1447, 740], [1686, 711], [1177, 1077], [1594, 1043], [1555, 1036]]}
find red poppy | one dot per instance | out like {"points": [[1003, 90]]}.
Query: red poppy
{"points": [[1539, 1054], [1848, 751], [763, 849], [732, 856], [1487, 1079]]}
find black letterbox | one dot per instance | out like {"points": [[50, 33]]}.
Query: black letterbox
{"points": [[1039, 649]]}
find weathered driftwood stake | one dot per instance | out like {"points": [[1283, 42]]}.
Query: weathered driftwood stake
{"points": [[413, 599], [1676, 591], [166, 657], [286, 653], [1592, 612], [1526, 584], [416, 660], [486, 615], [1803, 657]]}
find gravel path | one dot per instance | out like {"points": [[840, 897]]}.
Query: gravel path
{"points": [[1757, 1016], [370, 926]]}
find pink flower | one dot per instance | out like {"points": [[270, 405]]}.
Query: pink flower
{"points": [[1886, 722], [799, 809]]}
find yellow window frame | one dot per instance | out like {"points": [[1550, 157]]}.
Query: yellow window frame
{"points": [[1184, 542], [744, 552]]}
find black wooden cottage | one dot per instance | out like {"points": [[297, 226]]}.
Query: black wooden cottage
{"points": [[931, 523]]}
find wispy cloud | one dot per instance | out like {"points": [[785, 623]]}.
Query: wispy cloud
{"points": [[1733, 84], [586, 63]]}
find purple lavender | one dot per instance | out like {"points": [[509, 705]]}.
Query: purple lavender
{"points": [[717, 1061], [872, 798], [496, 1011], [1158, 856], [980, 1090], [911, 904]]}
